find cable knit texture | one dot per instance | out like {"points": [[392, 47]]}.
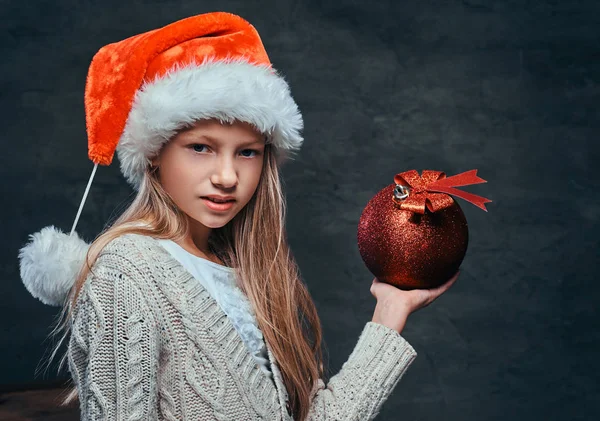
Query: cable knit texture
{"points": [[220, 282], [149, 342]]}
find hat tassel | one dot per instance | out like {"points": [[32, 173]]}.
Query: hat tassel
{"points": [[52, 260]]}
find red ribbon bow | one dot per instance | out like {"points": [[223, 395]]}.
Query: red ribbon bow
{"points": [[427, 189]]}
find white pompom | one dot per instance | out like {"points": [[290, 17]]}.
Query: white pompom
{"points": [[50, 263]]}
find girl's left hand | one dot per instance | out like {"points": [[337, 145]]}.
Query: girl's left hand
{"points": [[394, 305]]}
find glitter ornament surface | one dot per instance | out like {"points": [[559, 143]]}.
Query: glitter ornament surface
{"points": [[408, 249]]}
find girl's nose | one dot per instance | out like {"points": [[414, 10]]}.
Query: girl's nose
{"points": [[225, 174]]}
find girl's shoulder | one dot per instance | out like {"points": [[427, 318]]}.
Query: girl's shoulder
{"points": [[125, 243], [122, 276], [127, 259], [129, 254]]}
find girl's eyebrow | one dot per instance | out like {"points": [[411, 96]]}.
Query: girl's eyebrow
{"points": [[257, 142], [199, 137]]}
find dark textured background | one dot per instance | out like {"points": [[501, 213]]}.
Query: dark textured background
{"points": [[508, 87]]}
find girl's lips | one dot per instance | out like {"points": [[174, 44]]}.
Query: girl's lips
{"points": [[221, 207]]}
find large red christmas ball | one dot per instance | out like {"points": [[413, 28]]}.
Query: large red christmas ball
{"points": [[408, 249]]}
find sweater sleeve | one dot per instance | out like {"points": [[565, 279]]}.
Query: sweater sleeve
{"points": [[113, 349], [367, 378]]}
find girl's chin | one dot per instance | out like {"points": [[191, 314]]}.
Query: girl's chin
{"points": [[213, 223]]}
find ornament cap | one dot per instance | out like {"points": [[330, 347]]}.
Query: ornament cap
{"points": [[400, 192]]}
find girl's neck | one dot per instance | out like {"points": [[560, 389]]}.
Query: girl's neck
{"points": [[196, 243]]}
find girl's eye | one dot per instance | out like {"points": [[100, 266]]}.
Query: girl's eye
{"points": [[251, 151], [247, 153], [196, 147]]}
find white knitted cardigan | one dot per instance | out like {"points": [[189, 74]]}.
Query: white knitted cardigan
{"points": [[149, 343], [221, 283]]}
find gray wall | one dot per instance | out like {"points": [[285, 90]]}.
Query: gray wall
{"points": [[510, 88]]}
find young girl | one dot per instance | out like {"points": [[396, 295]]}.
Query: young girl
{"points": [[190, 306]]}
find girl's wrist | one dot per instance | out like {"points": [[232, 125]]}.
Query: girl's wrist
{"points": [[391, 316]]}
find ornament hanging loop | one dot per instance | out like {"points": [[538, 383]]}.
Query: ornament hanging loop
{"points": [[400, 192]]}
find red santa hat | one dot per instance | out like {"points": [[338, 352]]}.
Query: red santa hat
{"points": [[141, 91]]}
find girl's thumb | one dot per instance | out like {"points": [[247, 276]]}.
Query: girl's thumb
{"points": [[375, 287]]}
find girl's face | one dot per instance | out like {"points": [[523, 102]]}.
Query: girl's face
{"points": [[212, 159]]}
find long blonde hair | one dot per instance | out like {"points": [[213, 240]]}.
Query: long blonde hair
{"points": [[254, 242]]}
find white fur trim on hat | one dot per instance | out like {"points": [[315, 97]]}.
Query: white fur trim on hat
{"points": [[225, 90], [50, 263]]}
